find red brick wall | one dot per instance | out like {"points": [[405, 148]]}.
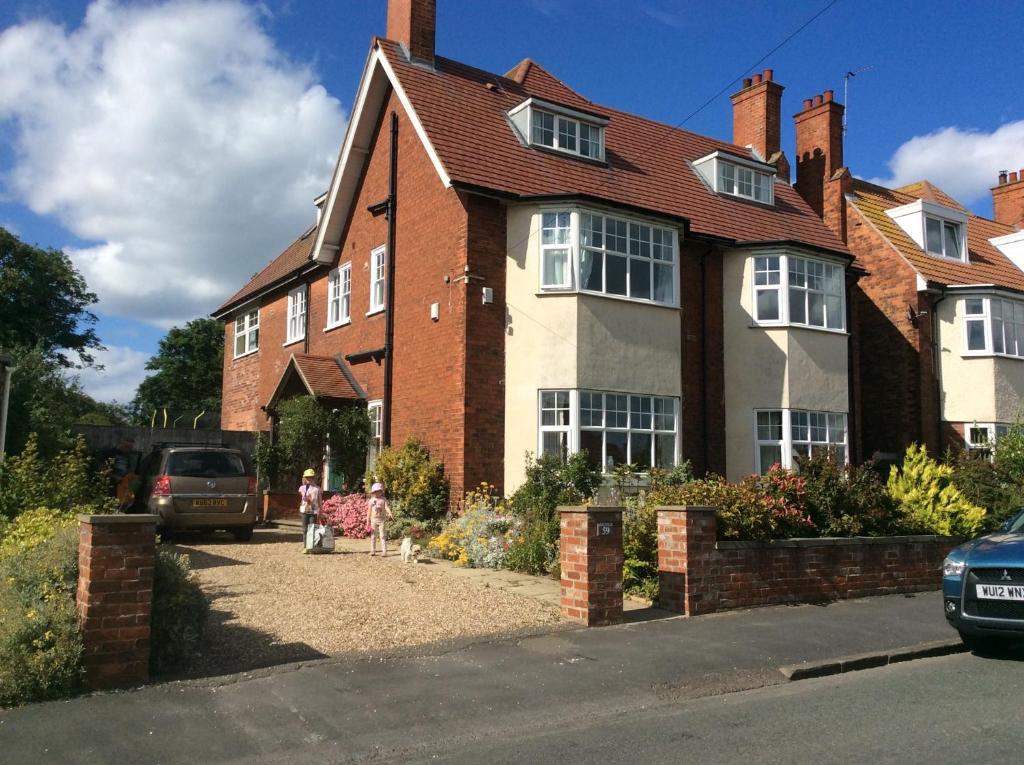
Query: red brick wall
{"points": [[240, 402], [819, 148], [1008, 199], [413, 23], [756, 115], [897, 378], [723, 575], [591, 564]]}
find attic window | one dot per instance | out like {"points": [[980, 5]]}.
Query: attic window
{"points": [[550, 126], [738, 177], [942, 237], [938, 230]]}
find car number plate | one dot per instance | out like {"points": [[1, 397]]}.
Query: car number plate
{"points": [[1000, 591], [209, 503]]}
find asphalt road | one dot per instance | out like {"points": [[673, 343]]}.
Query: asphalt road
{"points": [[954, 709]]}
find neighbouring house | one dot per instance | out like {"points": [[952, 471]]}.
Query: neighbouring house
{"points": [[940, 309], [501, 266]]}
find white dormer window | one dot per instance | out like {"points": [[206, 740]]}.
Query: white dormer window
{"points": [[551, 126], [737, 177], [938, 230]]}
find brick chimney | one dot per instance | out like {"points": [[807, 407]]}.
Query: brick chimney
{"points": [[412, 23], [757, 114], [819, 147], [1008, 199]]}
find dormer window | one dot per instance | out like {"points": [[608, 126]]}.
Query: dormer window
{"points": [[938, 230], [551, 126], [737, 177]]}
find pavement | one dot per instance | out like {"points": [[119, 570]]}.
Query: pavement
{"points": [[347, 709]]}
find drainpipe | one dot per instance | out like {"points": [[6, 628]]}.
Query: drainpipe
{"points": [[8, 370], [389, 302], [937, 361]]}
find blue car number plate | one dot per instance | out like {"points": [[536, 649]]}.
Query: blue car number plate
{"points": [[1000, 591]]}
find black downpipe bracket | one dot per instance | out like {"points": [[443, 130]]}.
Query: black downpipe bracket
{"points": [[389, 302]]}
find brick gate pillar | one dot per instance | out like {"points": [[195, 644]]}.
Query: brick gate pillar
{"points": [[116, 556], [591, 558], [686, 552]]}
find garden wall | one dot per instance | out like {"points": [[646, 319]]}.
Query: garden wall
{"points": [[700, 574]]}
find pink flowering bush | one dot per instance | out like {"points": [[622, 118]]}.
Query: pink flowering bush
{"points": [[346, 514]]}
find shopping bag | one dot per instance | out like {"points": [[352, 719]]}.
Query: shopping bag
{"points": [[323, 539]]}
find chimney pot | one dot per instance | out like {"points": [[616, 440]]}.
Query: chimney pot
{"points": [[756, 79], [769, 75], [1013, 176], [807, 104], [817, 100], [1002, 177], [828, 95], [746, 83]]}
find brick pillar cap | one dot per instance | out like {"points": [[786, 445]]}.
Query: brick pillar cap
{"points": [[588, 509], [109, 520], [687, 508]]}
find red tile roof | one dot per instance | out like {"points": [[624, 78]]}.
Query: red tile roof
{"points": [[987, 264], [323, 377], [295, 256], [647, 161]]}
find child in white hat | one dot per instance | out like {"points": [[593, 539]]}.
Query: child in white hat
{"points": [[378, 512]]}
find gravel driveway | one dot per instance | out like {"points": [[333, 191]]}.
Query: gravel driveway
{"points": [[271, 604]]}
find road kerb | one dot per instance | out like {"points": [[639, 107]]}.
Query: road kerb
{"points": [[838, 666]]}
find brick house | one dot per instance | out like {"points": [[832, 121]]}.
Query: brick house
{"points": [[940, 309], [501, 266]]}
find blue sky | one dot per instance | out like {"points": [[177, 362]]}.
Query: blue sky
{"points": [[173, 148]]}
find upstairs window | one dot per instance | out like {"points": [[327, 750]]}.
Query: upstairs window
{"points": [[247, 333], [737, 176], [993, 326], [339, 296], [296, 329], [940, 231], [943, 237], [378, 266], [793, 290], [541, 123]]}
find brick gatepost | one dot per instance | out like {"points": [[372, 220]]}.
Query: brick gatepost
{"points": [[591, 559], [116, 556], [686, 549]]}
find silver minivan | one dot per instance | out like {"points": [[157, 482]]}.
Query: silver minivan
{"points": [[199, 487]]}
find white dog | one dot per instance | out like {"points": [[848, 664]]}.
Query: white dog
{"points": [[410, 552]]}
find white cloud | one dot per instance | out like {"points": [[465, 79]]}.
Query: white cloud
{"points": [[123, 370], [963, 163], [176, 136]]}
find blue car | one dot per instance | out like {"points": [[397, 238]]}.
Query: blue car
{"points": [[983, 586]]}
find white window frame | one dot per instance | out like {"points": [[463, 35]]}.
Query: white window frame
{"points": [[339, 296], [375, 411], [295, 316], [738, 177], [566, 134], [634, 415], [786, 288], [788, 443], [943, 242], [1000, 334], [378, 279], [556, 238], [640, 248], [247, 330], [555, 402]]}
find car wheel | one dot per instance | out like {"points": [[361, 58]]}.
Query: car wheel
{"points": [[981, 645], [242, 534]]}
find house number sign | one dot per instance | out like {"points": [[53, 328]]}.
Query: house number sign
{"points": [[604, 529]]}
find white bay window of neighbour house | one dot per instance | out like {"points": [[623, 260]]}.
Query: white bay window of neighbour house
{"points": [[782, 435], [612, 428], [339, 295], [378, 275], [247, 333], [993, 325], [296, 329], [556, 131], [794, 290], [608, 255]]}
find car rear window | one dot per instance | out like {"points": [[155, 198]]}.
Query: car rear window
{"points": [[206, 464]]}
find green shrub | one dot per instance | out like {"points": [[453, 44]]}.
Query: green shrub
{"points": [[550, 482], [987, 482], [31, 528], [179, 613], [305, 427], [640, 548], [414, 483], [847, 500], [40, 645], [535, 548], [928, 499]]}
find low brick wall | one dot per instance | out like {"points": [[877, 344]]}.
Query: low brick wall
{"points": [[708, 575], [591, 561]]}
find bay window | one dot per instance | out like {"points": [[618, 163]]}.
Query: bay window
{"points": [[813, 293], [611, 255], [782, 435], [993, 326], [612, 428]]}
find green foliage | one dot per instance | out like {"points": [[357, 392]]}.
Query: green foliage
{"points": [[640, 549], [267, 459], [989, 482], [40, 645], [847, 500], [675, 476], [179, 613], [928, 499], [1009, 456], [414, 483], [550, 482], [187, 371], [31, 528], [305, 427], [44, 303], [70, 482], [535, 548]]}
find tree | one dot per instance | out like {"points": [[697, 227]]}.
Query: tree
{"points": [[44, 303], [188, 368], [306, 427]]}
